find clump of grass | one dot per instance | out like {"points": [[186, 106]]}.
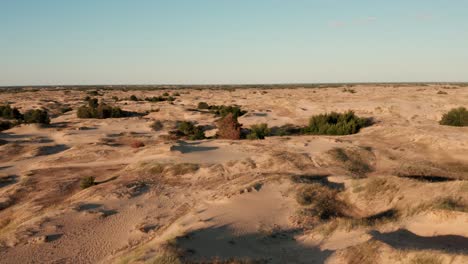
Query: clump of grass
{"points": [[451, 204], [441, 92], [87, 182], [426, 258], [455, 117], [354, 161], [321, 202], [259, 131], [336, 124], [379, 186], [365, 253], [173, 169]]}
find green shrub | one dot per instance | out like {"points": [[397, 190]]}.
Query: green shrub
{"points": [[166, 94], [7, 112], [93, 93], [455, 117], [87, 182], [101, 111], [222, 110], [36, 116], [92, 102], [336, 124], [203, 105], [133, 98], [189, 130], [176, 94], [258, 131]]}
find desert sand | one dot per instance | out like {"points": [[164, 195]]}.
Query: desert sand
{"points": [[222, 201]]}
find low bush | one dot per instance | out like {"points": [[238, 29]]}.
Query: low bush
{"points": [[157, 125], [8, 112], [222, 110], [229, 127], [134, 98], [189, 130], [258, 131], [87, 182], [36, 116], [166, 94], [203, 105], [4, 125], [321, 202], [455, 117], [100, 111], [336, 124]]}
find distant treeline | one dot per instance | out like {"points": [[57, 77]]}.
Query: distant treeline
{"points": [[213, 86]]}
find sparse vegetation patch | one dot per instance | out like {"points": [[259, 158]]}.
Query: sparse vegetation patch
{"points": [[455, 117], [336, 124]]}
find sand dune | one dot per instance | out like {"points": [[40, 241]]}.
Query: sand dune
{"points": [[402, 195]]}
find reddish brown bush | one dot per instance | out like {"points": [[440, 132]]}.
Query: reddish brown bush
{"points": [[137, 144], [229, 127]]}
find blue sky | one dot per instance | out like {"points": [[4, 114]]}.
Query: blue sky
{"points": [[231, 41]]}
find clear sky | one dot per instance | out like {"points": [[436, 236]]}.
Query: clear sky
{"points": [[231, 41]]}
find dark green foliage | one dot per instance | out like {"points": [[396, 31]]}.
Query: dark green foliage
{"points": [[133, 98], [223, 110], [166, 94], [336, 124], [159, 99], [455, 117], [4, 125], [92, 102], [87, 182], [93, 93], [176, 94], [8, 112], [189, 130], [203, 105], [258, 131], [115, 98], [286, 130], [101, 111], [36, 116]]}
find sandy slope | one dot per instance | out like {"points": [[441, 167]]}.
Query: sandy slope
{"points": [[234, 199]]}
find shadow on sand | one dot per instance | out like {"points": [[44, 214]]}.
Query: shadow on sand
{"points": [[404, 239], [276, 246]]}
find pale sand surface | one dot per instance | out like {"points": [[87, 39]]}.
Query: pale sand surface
{"points": [[239, 201]]}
